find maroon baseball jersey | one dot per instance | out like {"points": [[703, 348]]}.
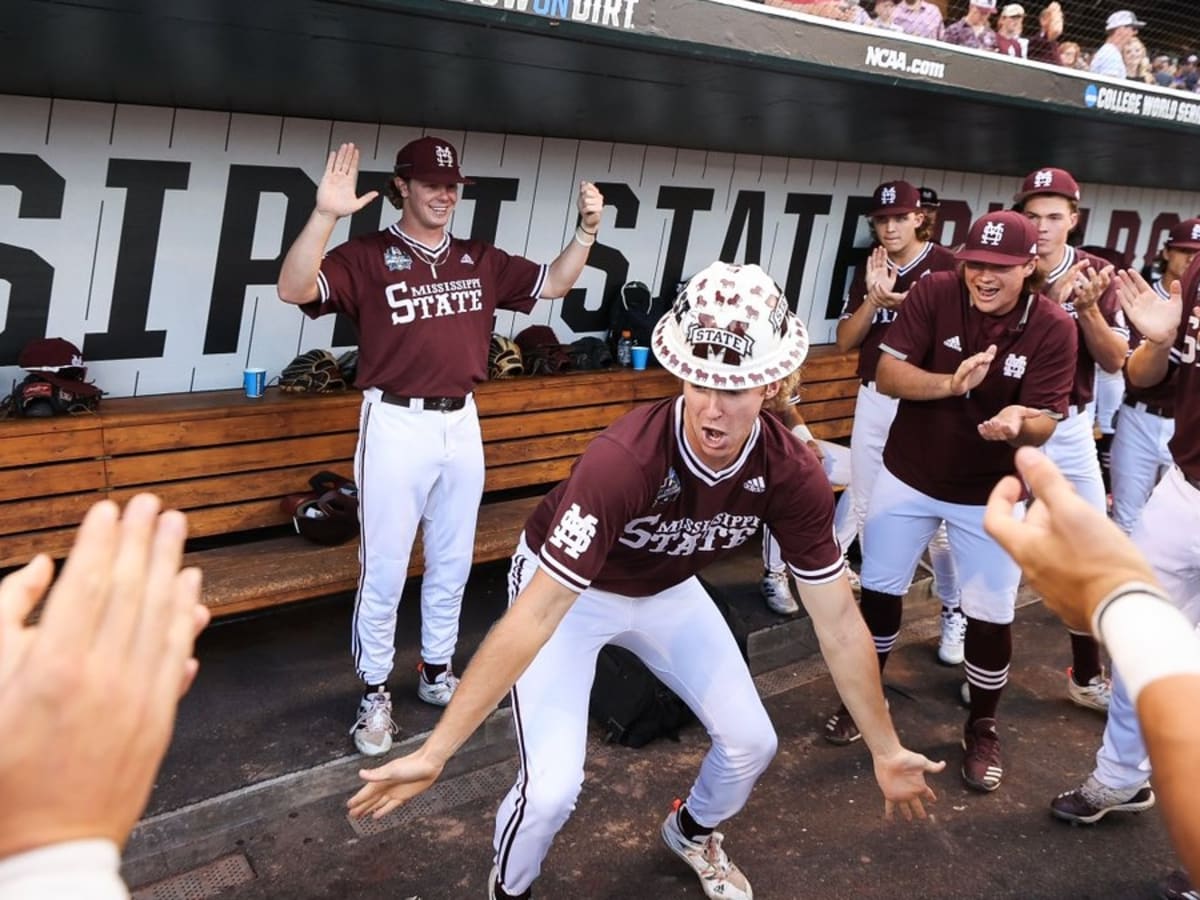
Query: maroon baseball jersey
{"points": [[934, 258], [641, 512], [934, 446], [1110, 308], [1185, 445], [1162, 395], [424, 314]]}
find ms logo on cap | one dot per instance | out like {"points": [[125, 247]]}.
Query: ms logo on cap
{"points": [[993, 234], [887, 196], [444, 155], [1043, 178]]}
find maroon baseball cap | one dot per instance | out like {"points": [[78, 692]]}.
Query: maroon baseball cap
{"points": [[430, 159], [1184, 236], [894, 198], [1003, 238], [1056, 182], [59, 362]]}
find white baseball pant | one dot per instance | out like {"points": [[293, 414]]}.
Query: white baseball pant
{"points": [[681, 637], [1168, 534], [873, 416], [899, 525], [1140, 457], [837, 470], [413, 467], [1073, 449], [1108, 390]]}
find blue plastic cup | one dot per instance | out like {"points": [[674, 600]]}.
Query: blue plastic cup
{"points": [[641, 356], [254, 381]]}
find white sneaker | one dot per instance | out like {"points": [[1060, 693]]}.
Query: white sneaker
{"points": [[1096, 694], [374, 729], [439, 691], [777, 591], [954, 636], [719, 877]]}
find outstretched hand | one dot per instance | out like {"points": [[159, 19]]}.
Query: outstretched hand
{"points": [[901, 777], [392, 785], [1073, 555], [337, 192], [1006, 424]]}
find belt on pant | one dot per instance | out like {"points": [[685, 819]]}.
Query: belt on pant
{"points": [[436, 404], [1146, 407]]}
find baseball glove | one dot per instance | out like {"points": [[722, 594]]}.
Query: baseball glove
{"points": [[314, 372], [504, 358]]}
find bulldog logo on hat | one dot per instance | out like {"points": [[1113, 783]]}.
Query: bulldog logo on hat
{"points": [[729, 328]]}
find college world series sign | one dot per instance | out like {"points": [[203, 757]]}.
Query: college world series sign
{"points": [[152, 237]]}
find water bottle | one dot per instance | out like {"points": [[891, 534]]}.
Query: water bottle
{"points": [[625, 349]]}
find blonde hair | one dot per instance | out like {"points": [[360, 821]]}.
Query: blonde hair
{"points": [[789, 386]]}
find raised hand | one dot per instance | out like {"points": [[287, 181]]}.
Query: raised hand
{"points": [[99, 676], [881, 281], [337, 192], [971, 371], [591, 205], [1157, 319], [1073, 555]]}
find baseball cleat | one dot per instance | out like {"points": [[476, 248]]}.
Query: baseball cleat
{"points": [[374, 728], [719, 877], [1092, 801]]}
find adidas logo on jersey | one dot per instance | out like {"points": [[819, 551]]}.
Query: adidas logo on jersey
{"points": [[953, 343], [466, 260], [755, 485]]}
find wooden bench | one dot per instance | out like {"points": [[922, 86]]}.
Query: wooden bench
{"points": [[226, 460]]}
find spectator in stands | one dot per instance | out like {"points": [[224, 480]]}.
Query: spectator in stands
{"points": [[1164, 68], [1043, 47], [885, 16], [1189, 74], [1122, 26], [1137, 62], [973, 29], [919, 18], [1008, 31], [1069, 56]]}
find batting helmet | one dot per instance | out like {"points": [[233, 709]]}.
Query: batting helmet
{"points": [[504, 358], [329, 519]]}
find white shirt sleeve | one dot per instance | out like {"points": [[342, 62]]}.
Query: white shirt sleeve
{"points": [[67, 871]]}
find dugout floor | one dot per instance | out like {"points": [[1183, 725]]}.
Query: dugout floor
{"points": [[250, 801]]}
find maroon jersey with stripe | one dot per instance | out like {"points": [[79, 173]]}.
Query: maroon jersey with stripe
{"points": [[934, 446], [1110, 308], [1162, 395], [1185, 445], [934, 258], [423, 329], [640, 512]]}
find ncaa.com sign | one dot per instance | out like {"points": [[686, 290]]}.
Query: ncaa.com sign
{"points": [[898, 61]]}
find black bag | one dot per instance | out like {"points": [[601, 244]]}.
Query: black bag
{"points": [[636, 312], [629, 702]]}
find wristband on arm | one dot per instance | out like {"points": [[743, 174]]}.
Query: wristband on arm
{"points": [[1146, 635]]}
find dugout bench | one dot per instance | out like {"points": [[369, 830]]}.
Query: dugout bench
{"points": [[226, 461]]}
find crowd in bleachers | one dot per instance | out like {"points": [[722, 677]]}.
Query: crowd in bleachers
{"points": [[990, 26]]}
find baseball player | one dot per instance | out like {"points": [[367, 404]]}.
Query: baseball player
{"points": [[1080, 283], [1140, 453], [904, 255], [981, 363], [610, 556], [424, 304], [1166, 534]]}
